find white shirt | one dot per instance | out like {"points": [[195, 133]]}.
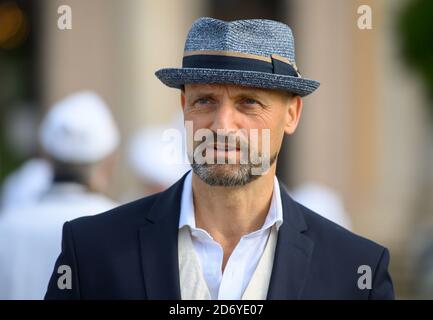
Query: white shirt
{"points": [[30, 238], [26, 184], [243, 261]]}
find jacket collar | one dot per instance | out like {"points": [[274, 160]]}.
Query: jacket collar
{"points": [[187, 216], [292, 253], [158, 245]]}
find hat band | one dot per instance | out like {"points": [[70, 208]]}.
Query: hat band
{"points": [[239, 61]]}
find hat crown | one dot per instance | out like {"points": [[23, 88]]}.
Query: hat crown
{"points": [[255, 53], [255, 36], [79, 129]]}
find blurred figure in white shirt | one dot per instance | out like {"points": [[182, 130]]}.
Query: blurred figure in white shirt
{"points": [[80, 138], [26, 184], [157, 156], [324, 200]]}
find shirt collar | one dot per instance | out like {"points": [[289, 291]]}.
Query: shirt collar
{"points": [[187, 216]]}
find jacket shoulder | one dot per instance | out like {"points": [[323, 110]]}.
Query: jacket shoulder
{"points": [[126, 215], [329, 234], [343, 257]]}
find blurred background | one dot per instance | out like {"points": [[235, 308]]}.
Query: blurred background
{"points": [[365, 135]]}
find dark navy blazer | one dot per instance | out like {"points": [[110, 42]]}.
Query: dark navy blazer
{"points": [[130, 252]]}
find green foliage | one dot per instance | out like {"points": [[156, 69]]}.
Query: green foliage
{"points": [[415, 27]]}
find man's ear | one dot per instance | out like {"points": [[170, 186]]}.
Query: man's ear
{"points": [[293, 114]]}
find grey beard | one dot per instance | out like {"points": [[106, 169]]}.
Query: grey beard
{"points": [[242, 175]]}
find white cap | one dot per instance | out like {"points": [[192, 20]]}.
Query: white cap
{"points": [[157, 159], [79, 129]]}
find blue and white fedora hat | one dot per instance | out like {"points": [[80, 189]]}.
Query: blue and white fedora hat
{"points": [[254, 53]]}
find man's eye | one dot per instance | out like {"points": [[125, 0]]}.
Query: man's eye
{"points": [[202, 101], [249, 101]]}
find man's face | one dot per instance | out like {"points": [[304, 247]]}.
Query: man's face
{"points": [[237, 117]]}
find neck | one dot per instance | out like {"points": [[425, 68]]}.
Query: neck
{"points": [[228, 213]]}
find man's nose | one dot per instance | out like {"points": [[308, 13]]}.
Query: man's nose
{"points": [[224, 117]]}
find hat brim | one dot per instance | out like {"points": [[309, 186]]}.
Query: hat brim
{"points": [[177, 77]]}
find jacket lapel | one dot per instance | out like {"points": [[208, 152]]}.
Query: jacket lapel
{"points": [[292, 253], [158, 245]]}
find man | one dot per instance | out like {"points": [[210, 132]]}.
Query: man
{"points": [[225, 231], [80, 138]]}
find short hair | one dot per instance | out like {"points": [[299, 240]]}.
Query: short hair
{"points": [[73, 173]]}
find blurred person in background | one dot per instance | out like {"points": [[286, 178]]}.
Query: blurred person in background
{"points": [[80, 139], [34, 176], [323, 200], [26, 184], [148, 152]]}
